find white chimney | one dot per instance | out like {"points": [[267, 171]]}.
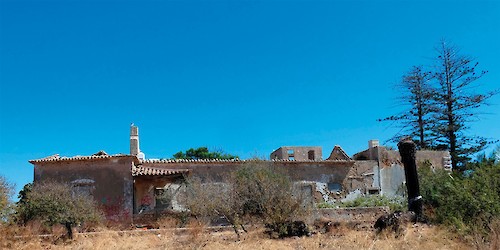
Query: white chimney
{"points": [[373, 143], [373, 149], [134, 140]]}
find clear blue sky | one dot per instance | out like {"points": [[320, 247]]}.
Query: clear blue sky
{"points": [[243, 76]]}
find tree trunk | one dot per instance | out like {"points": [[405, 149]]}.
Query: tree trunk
{"points": [[69, 229]]}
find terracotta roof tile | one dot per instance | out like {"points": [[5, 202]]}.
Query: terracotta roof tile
{"points": [[173, 161], [151, 171], [188, 160], [54, 158], [318, 161]]}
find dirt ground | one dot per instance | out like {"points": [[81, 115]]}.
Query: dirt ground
{"points": [[417, 236]]}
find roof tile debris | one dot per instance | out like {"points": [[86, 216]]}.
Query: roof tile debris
{"points": [[100, 153]]}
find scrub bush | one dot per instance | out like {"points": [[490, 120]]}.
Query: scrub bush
{"points": [[256, 191], [395, 203], [54, 203], [468, 203], [6, 205]]}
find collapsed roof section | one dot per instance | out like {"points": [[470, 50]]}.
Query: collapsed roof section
{"points": [[338, 154]]}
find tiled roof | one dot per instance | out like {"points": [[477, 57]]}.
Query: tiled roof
{"points": [[56, 157], [151, 171], [189, 160], [309, 161], [173, 161]]}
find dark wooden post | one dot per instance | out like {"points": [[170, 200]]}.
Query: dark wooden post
{"points": [[69, 229], [407, 150]]}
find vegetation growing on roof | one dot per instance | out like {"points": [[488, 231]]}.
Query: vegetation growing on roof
{"points": [[203, 153]]}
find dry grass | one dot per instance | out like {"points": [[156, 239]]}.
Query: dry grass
{"points": [[413, 237]]}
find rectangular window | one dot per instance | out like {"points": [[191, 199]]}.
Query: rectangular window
{"points": [[373, 191], [291, 155], [82, 187], [334, 187], [82, 190]]}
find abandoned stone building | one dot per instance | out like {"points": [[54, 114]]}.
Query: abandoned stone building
{"points": [[128, 185]]}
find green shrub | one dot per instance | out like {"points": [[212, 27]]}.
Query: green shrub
{"points": [[326, 205], [466, 203], [6, 205], [395, 203], [54, 203], [255, 191]]}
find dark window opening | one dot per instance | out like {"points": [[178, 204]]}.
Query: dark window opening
{"points": [[162, 199], [291, 155], [334, 187], [310, 155]]}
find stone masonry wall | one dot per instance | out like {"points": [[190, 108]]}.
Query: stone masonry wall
{"points": [[112, 185]]}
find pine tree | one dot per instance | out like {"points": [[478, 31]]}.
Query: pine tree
{"points": [[416, 121], [441, 106], [454, 75]]}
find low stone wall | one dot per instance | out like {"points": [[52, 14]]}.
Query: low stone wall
{"points": [[355, 214]]}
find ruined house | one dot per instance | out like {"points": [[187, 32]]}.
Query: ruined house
{"points": [[129, 185]]}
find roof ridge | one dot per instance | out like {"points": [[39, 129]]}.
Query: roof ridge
{"points": [[188, 160], [55, 158]]}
